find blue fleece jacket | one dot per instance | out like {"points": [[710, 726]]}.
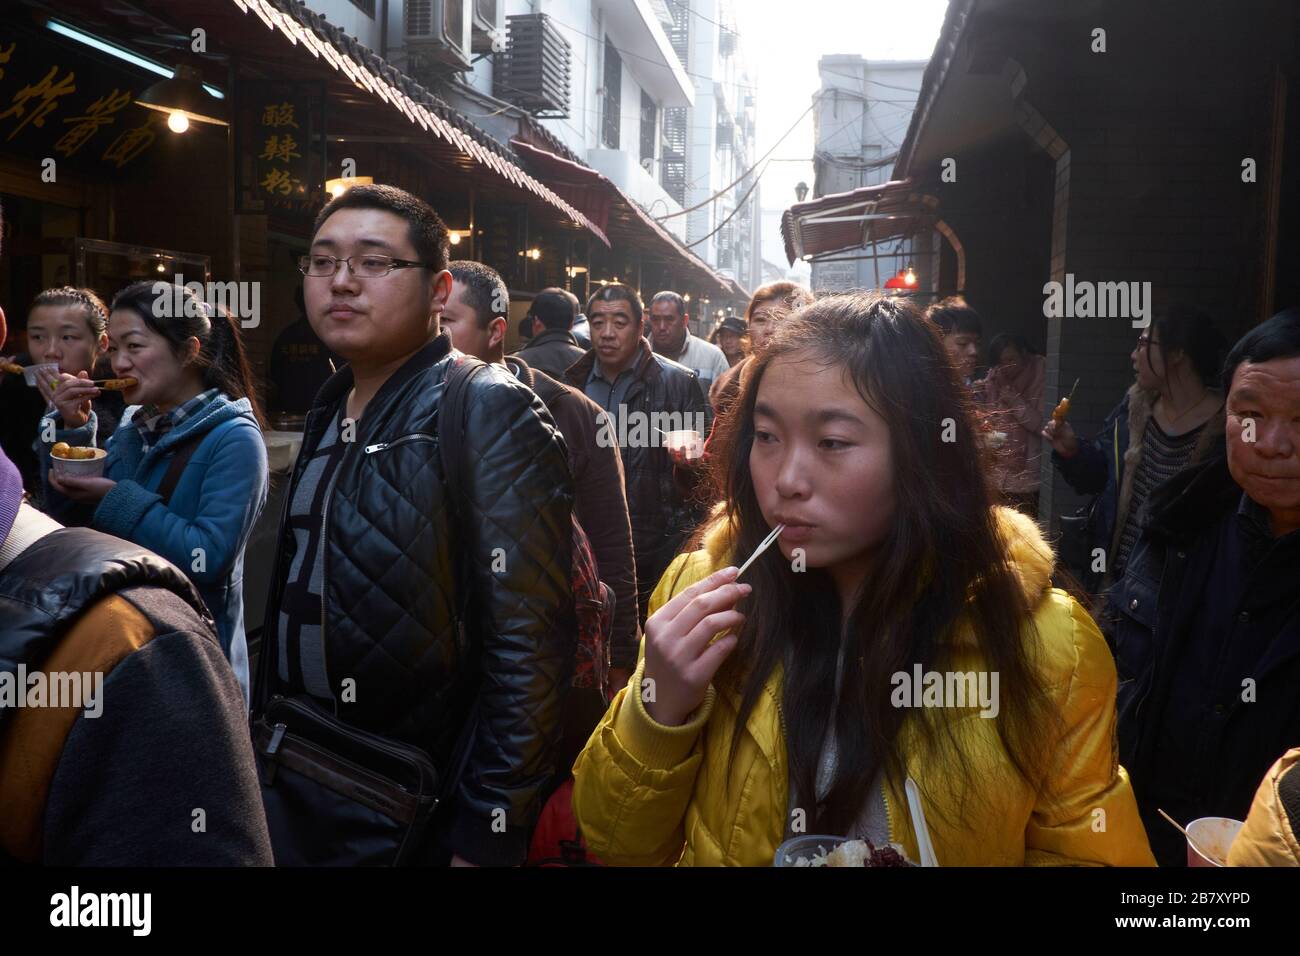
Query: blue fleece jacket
{"points": [[204, 528]]}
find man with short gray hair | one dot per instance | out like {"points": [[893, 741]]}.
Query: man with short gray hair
{"points": [[670, 335]]}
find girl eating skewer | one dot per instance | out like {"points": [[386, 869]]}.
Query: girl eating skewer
{"points": [[775, 707]]}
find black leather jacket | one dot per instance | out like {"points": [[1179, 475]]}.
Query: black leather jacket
{"points": [[662, 510], [392, 598]]}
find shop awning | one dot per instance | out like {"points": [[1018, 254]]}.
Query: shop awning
{"points": [[854, 219], [366, 71], [287, 40], [620, 216]]}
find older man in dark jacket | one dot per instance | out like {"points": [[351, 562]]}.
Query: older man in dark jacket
{"points": [[1208, 642], [644, 395], [392, 615]]}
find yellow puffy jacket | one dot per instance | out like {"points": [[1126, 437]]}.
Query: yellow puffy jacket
{"points": [[650, 795], [1269, 837]]}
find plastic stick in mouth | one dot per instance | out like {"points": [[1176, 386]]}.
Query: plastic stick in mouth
{"points": [[763, 546]]}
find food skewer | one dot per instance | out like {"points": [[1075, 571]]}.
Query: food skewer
{"points": [[108, 384], [1063, 407], [11, 368], [763, 546], [1208, 856]]}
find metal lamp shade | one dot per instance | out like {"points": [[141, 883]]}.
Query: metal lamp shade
{"points": [[184, 94]]}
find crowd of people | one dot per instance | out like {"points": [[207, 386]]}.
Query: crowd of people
{"points": [[511, 617]]}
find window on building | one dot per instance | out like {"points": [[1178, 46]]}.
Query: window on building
{"points": [[365, 6], [673, 162], [609, 127], [649, 121]]}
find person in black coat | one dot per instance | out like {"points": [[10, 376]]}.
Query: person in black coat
{"points": [[398, 609], [1207, 644], [645, 395]]}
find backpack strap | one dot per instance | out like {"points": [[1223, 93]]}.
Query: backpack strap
{"points": [[182, 452], [451, 426], [451, 443]]}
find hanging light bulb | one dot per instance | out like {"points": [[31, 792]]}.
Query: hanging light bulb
{"points": [[178, 122]]}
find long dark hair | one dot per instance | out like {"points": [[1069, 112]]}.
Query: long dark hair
{"points": [[1191, 330], [221, 357], [944, 563]]}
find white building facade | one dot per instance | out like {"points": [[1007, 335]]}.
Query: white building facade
{"points": [[862, 113]]}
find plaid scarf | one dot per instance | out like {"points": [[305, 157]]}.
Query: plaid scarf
{"points": [[153, 424]]}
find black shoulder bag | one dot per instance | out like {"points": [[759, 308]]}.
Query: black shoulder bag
{"points": [[336, 795]]}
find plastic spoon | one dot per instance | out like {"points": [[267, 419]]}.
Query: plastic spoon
{"points": [[923, 844]]}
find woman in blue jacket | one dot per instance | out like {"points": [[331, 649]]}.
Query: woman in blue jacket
{"points": [[186, 472]]}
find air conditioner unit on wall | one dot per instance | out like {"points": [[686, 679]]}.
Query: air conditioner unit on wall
{"points": [[486, 20], [439, 30], [533, 73]]}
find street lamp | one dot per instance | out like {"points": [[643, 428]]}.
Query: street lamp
{"points": [[801, 192]]}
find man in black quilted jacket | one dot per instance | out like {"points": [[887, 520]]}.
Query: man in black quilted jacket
{"points": [[372, 572], [645, 395]]}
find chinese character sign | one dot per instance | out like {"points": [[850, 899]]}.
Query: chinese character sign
{"points": [[55, 101], [276, 138]]}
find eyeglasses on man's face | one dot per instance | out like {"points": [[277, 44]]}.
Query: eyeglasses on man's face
{"points": [[1145, 341], [369, 266]]}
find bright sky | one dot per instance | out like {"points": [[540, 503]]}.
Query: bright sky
{"points": [[782, 42]]}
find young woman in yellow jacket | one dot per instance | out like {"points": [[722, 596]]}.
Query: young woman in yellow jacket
{"points": [[902, 627]]}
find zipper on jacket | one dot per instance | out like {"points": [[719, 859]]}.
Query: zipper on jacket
{"points": [[384, 446]]}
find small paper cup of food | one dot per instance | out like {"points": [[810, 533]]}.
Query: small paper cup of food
{"points": [[690, 443], [812, 849], [79, 467], [1210, 838], [48, 371]]}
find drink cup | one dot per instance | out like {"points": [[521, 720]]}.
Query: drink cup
{"points": [[48, 372], [1212, 837], [690, 443]]}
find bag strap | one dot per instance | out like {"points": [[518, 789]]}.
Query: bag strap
{"points": [[451, 426], [182, 452], [451, 443]]}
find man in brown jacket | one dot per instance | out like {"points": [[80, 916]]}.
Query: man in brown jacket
{"points": [[476, 318]]}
